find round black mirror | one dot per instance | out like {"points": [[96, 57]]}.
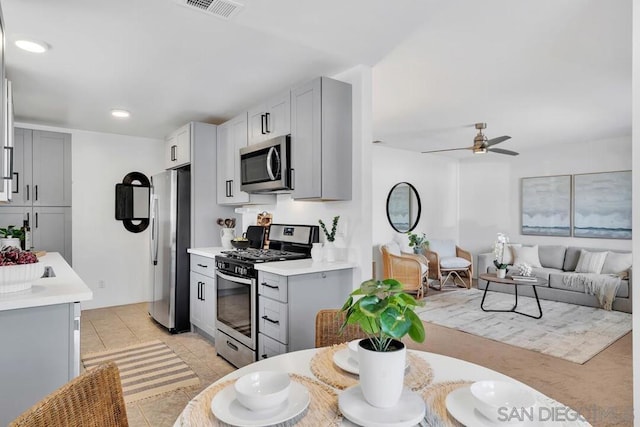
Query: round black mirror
{"points": [[403, 207]]}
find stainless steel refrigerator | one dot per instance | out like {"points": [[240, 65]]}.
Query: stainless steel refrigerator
{"points": [[170, 237]]}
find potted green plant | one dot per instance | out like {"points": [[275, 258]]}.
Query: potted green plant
{"points": [[499, 247], [386, 314], [417, 242], [10, 236], [330, 236]]}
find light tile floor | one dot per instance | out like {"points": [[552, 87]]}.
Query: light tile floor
{"points": [[115, 327]]}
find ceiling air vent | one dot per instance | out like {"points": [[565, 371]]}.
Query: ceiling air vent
{"points": [[225, 9]]}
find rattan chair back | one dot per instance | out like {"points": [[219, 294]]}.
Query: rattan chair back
{"points": [[92, 399], [328, 322]]}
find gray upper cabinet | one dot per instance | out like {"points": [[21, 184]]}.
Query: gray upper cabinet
{"points": [[232, 136], [42, 168], [178, 147], [321, 140], [270, 119]]}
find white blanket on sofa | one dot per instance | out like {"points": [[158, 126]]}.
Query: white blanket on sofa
{"points": [[603, 286]]}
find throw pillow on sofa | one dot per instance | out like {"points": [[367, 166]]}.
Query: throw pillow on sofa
{"points": [[526, 255], [590, 262], [617, 262]]}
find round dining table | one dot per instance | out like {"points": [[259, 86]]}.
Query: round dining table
{"points": [[446, 374]]}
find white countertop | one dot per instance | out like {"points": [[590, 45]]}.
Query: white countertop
{"points": [[66, 287], [207, 252], [302, 266]]}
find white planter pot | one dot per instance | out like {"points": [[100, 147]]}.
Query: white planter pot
{"points": [[501, 273], [10, 241], [382, 374], [329, 252]]}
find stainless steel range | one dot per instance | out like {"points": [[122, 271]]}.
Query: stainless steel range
{"points": [[237, 299]]}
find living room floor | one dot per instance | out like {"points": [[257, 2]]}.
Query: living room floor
{"points": [[122, 326], [601, 389]]}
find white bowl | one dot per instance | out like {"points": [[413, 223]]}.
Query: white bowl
{"points": [[496, 400], [353, 349], [262, 390], [15, 278]]}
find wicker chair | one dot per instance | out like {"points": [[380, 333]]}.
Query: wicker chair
{"points": [[91, 399], [328, 324], [449, 261], [409, 269]]}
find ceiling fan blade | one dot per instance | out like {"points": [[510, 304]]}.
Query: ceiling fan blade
{"points": [[448, 149], [501, 151], [498, 140]]}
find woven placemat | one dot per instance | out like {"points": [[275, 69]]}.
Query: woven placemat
{"points": [[417, 376], [434, 396], [322, 410]]}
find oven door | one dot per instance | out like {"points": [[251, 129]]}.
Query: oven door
{"points": [[236, 308], [265, 166]]}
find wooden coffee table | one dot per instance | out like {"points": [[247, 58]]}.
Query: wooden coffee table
{"points": [[516, 283]]}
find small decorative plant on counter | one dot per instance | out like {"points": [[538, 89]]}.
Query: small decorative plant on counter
{"points": [[417, 242], [331, 236], [11, 232], [386, 314], [15, 256]]}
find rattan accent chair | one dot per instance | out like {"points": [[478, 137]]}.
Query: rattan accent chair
{"points": [[328, 322], [448, 261], [92, 399], [409, 269]]}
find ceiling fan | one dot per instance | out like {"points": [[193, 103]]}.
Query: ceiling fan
{"points": [[481, 144]]}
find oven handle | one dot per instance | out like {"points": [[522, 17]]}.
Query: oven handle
{"points": [[235, 279]]}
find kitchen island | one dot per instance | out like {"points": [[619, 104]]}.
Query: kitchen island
{"points": [[40, 336]]}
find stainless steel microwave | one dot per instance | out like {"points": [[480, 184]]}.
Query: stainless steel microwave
{"points": [[266, 166]]}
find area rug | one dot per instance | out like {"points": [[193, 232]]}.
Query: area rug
{"points": [[146, 369], [571, 332]]}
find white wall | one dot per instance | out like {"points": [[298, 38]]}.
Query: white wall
{"points": [[355, 214], [102, 249], [490, 190], [436, 180]]}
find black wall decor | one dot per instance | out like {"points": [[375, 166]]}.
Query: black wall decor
{"points": [[132, 202]]}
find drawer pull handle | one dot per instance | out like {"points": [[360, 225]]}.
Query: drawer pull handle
{"points": [[264, 356], [202, 265], [275, 322], [270, 286], [232, 346]]}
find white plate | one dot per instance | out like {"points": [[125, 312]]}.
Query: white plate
{"points": [[227, 409], [461, 406], [344, 361], [409, 411]]}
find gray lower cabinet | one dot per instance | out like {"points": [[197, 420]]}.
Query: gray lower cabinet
{"points": [[321, 140], [202, 310], [39, 354], [287, 307], [50, 226]]}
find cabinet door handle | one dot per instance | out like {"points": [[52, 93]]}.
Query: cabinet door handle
{"points": [[267, 119], [262, 123], [35, 188], [269, 286], [36, 219], [10, 171], [202, 265], [230, 188], [275, 322], [27, 192], [174, 157], [28, 221], [17, 181], [232, 345], [199, 298], [264, 356], [202, 292]]}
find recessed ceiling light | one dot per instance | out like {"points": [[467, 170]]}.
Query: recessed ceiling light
{"points": [[32, 46], [121, 114]]}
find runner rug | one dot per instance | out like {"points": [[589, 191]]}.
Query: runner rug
{"points": [[146, 369], [568, 331]]}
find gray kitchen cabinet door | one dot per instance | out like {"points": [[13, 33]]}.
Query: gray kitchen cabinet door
{"points": [[270, 119], [321, 140], [22, 153], [14, 215], [203, 303], [256, 124], [51, 230], [232, 136], [224, 172], [51, 169], [178, 147]]}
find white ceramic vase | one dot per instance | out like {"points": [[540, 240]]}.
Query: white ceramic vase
{"points": [[10, 241], [316, 252], [226, 236], [329, 252], [501, 273], [382, 374]]}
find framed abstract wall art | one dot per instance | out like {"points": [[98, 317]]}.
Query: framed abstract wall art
{"points": [[546, 205], [602, 205]]}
